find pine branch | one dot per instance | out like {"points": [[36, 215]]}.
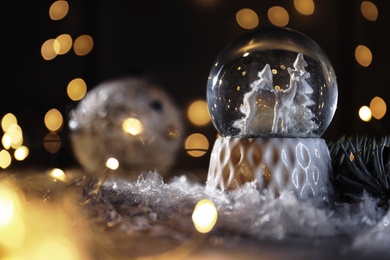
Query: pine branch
{"points": [[361, 164]]}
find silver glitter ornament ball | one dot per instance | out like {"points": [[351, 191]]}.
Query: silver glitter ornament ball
{"points": [[130, 119]]}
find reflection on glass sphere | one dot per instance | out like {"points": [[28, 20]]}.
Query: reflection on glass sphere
{"points": [[272, 82], [130, 119]]}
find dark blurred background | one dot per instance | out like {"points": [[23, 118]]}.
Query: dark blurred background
{"points": [[174, 42]]}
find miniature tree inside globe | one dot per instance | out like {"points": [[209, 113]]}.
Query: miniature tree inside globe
{"points": [[272, 82], [271, 94]]}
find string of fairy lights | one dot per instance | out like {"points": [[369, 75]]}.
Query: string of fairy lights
{"points": [[195, 144], [25, 236]]}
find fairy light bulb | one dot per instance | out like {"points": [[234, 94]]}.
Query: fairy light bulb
{"points": [[272, 82]]}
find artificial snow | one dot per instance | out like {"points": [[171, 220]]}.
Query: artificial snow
{"points": [[159, 208]]}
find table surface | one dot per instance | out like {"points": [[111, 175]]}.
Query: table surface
{"points": [[166, 239]]}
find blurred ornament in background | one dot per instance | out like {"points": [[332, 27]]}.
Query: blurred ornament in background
{"points": [[130, 119], [272, 93]]}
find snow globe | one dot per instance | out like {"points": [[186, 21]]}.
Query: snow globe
{"points": [[272, 93]]}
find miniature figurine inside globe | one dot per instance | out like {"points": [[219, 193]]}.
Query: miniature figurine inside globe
{"points": [[272, 82]]}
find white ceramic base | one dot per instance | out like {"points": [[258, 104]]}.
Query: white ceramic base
{"points": [[276, 165]]}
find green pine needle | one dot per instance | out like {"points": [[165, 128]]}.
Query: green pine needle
{"points": [[361, 164]]}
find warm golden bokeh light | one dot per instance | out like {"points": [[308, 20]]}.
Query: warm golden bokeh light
{"points": [[7, 207], [21, 153], [57, 174], [37, 230], [13, 134], [65, 43], [305, 7], [112, 164], [12, 228], [8, 120], [58, 10], [132, 126], [53, 120], [196, 145], [363, 55], [6, 141], [76, 89], [247, 18], [49, 49], [204, 216], [5, 159], [278, 16], [57, 248], [198, 113], [378, 107], [52, 142], [369, 10], [13, 234], [365, 113], [83, 45], [16, 135]]}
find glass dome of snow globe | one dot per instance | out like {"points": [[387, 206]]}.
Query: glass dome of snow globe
{"points": [[272, 82]]}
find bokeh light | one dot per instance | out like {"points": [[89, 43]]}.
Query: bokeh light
{"points": [[38, 230], [5, 159], [21, 153], [132, 126], [8, 120], [7, 207], [247, 18], [365, 113], [65, 43], [196, 145], [50, 49], [278, 16], [363, 55], [58, 10], [204, 216], [305, 7], [83, 45], [52, 142], [56, 247], [369, 11], [57, 174], [13, 234], [112, 163], [378, 107], [198, 113], [12, 228], [53, 120], [6, 141], [12, 138], [16, 135], [76, 89]]}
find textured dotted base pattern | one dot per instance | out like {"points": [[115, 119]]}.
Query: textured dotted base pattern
{"points": [[275, 165]]}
